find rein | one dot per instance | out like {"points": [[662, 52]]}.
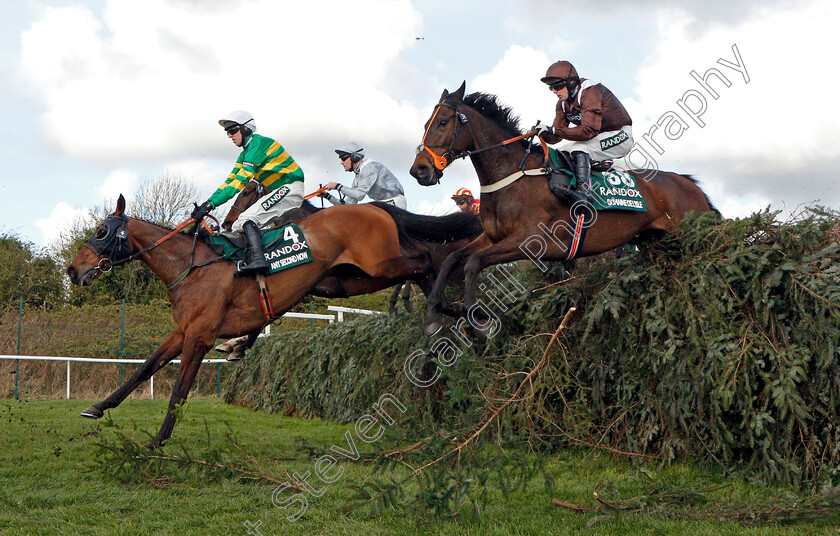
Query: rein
{"points": [[119, 241]]}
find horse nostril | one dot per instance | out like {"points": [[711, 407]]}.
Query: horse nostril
{"points": [[71, 272]]}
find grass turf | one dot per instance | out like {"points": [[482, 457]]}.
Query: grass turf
{"points": [[44, 489]]}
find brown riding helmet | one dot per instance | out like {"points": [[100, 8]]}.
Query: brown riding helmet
{"points": [[560, 70]]}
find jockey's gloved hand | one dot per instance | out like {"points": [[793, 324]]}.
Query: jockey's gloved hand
{"points": [[201, 210], [544, 129]]}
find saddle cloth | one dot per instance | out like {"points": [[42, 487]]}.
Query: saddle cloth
{"points": [[611, 189], [284, 247]]}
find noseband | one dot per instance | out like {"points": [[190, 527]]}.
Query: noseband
{"points": [[441, 161]]}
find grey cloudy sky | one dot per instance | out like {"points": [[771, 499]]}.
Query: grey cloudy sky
{"points": [[98, 96]]}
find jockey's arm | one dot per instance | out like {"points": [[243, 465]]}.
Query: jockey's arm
{"points": [[235, 181], [590, 126], [361, 186]]}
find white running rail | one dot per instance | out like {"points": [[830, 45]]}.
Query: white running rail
{"points": [[341, 310], [97, 360]]}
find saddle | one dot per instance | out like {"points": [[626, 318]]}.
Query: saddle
{"points": [[562, 166], [234, 245]]}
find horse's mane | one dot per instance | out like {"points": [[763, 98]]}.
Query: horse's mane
{"points": [[490, 107]]}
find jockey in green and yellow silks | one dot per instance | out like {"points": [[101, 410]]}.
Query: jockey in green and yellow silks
{"points": [[264, 160]]}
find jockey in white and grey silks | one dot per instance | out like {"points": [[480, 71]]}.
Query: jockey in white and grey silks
{"points": [[371, 179]]}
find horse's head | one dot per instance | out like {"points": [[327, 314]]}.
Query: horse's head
{"points": [[443, 139], [108, 246], [247, 197]]}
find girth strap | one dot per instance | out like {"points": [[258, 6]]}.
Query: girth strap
{"points": [[265, 298], [510, 179]]}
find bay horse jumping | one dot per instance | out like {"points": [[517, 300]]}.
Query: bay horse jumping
{"points": [[515, 208], [254, 190], [359, 244]]}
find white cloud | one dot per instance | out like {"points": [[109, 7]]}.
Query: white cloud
{"points": [[770, 121], [62, 217], [207, 175], [156, 75], [121, 181], [513, 81]]}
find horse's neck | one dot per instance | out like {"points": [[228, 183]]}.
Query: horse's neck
{"points": [[171, 258], [496, 164]]}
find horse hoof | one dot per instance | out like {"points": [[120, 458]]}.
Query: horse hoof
{"points": [[231, 344], [153, 445], [92, 413], [236, 355], [432, 327]]}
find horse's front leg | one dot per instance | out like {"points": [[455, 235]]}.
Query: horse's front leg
{"points": [[436, 298], [165, 353], [504, 251], [195, 348]]}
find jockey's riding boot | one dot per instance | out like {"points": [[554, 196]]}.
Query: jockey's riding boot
{"points": [[581, 192], [583, 176], [258, 264]]}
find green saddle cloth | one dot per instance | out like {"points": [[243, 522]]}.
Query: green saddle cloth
{"points": [[611, 190], [284, 247]]}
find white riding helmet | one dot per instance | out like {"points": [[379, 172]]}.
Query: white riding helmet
{"points": [[239, 117], [352, 148]]}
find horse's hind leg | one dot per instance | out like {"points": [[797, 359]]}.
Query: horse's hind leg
{"points": [[165, 353], [392, 301], [244, 345], [406, 296]]}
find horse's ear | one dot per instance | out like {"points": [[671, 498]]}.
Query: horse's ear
{"points": [[120, 206], [459, 95], [444, 95]]}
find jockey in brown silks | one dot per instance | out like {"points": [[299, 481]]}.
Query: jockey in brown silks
{"points": [[593, 122]]}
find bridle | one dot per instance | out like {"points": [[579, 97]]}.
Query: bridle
{"points": [[442, 161], [110, 241]]}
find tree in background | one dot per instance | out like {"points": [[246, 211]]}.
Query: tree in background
{"points": [[165, 200], [27, 272]]}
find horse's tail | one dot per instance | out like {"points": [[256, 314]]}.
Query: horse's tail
{"points": [[437, 229], [706, 197]]}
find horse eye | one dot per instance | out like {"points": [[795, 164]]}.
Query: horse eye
{"points": [[101, 233], [443, 122]]}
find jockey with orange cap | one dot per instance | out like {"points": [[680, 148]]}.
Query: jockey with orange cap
{"points": [[591, 119], [466, 202]]}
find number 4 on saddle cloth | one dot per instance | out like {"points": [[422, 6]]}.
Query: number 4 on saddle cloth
{"points": [[611, 189], [284, 247]]}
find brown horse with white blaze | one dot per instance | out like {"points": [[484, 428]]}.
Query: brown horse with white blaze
{"points": [[517, 207], [209, 302]]}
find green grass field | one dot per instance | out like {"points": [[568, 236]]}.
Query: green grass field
{"points": [[44, 489]]}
